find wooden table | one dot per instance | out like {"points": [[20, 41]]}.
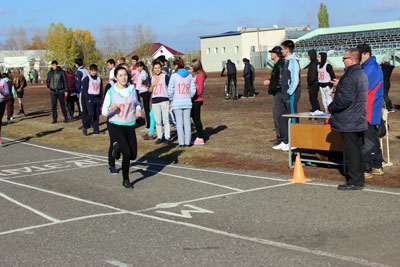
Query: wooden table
{"points": [[313, 136]]}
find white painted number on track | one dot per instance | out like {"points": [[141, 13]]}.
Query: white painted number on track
{"points": [[186, 213]]}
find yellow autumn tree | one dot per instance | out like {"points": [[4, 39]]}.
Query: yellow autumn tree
{"points": [[86, 47], [61, 44]]}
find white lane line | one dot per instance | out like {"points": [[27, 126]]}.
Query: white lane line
{"points": [[215, 231], [55, 171], [190, 179], [195, 169], [61, 222], [47, 217], [265, 241], [117, 263], [159, 206], [34, 162]]}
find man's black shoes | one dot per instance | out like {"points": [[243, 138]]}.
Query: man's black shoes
{"points": [[350, 187]]}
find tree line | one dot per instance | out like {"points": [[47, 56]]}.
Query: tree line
{"points": [[65, 44]]}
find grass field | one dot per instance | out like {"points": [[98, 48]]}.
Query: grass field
{"points": [[237, 132]]}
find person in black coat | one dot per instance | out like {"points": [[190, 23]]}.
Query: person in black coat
{"points": [[312, 80], [349, 116], [58, 85], [387, 72], [274, 87], [231, 69]]}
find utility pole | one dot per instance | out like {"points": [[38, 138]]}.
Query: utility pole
{"points": [[259, 46]]}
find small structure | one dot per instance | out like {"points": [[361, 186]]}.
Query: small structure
{"points": [[154, 50], [26, 60]]}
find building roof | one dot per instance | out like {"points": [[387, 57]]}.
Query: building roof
{"points": [[292, 31], [352, 28], [155, 47]]}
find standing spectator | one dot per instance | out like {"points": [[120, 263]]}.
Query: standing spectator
{"points": [[253, 77], [143, 85], [111, 67], [135, 73], [274, 87], [325, 76], [80, 74], [231, 71], [31, 77], [349, 117], [247, 75], [181, 89], [19, 85], [57, 83], [36, 75], [291, 92], [387, 72], [92, 89], [223, 68], [372, 152], [4, 92], [11, 97], [199, 79], [72, 96], [160, 103], [312, 80]]}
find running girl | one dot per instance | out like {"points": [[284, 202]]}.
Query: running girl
{"points": [[181, 89], [121, 107]]}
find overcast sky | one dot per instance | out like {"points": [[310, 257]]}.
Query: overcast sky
{"points": [[179, 24]]}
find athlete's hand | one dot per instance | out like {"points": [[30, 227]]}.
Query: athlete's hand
{"points": [[266, 82], [113, 107], [335, 82], [138, 113]]}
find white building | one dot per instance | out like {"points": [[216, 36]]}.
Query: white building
{"points": [[244, 43], [27, 60]]}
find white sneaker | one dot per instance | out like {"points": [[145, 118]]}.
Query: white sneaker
{"points": [[280, 146], [286, 148]]}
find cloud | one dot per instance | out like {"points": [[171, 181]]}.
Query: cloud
{"points": [[385, 5], [5, 11]]}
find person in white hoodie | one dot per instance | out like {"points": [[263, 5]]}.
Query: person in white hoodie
{"points": [[291, 91], [181, 89]]}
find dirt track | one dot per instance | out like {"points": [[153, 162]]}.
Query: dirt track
{"points": [[238, 132]]}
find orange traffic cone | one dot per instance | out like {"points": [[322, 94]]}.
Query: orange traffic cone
{"points": [[298, 174]]}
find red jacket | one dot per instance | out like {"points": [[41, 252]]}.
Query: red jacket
{"points": [[71, 82], [200, 78]]}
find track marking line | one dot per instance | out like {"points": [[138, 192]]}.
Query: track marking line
{"points": [[55, 171], [117, 263], [62, 221], [172, 205], [42, 161], [199, 227], [191, 168], [190, 179], [47, 217]]}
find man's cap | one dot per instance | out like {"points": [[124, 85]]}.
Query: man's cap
{"points": [[276, 50], [364, 48]]}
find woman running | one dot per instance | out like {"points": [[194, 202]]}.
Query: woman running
{"points": [[122, 107]]}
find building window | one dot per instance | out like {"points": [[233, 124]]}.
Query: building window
{"points": [[223, 50], [208, 51], [216, 50], [236, 49], [253, 48]]}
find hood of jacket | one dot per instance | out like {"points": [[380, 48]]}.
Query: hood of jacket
{"points": [[313, 54], [369, 62], [292, 56], [183, 73], [324, 56]]}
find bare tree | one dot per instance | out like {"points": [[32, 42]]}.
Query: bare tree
{"points": [[21, 39], [107, 42], [143, 40], [11, 42], [125, 41]]}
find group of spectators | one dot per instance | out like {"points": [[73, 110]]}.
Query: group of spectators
{"points": [[355, 103], [248, 74]]}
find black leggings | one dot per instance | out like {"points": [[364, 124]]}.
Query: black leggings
{"points": [[196, 110], [2, 109], [111, 160], [146, 106], [126, 138]]}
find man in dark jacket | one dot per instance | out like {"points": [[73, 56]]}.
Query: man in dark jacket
{"points": [[247, 75], [312, 80], [58, 85], [387, 72], [231, 69], [349, 117], [274, 87]]}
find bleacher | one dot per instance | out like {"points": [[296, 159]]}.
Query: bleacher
{"points": [[384, 39]]}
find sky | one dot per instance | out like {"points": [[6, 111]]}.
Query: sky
{"points": [[179, 24]]}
